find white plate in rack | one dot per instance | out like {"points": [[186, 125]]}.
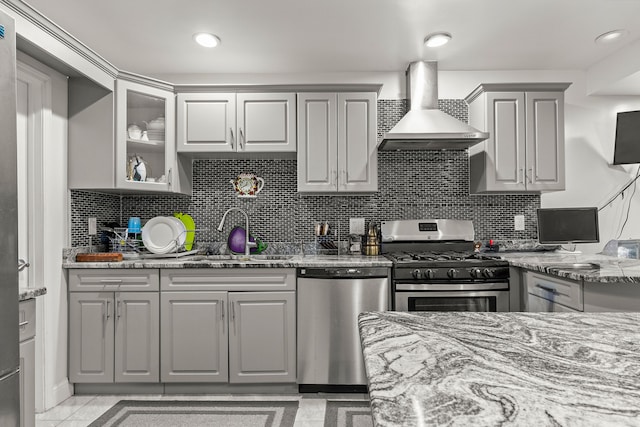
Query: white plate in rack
{"points": [[163, 234]]}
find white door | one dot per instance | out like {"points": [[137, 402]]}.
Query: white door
{"points": [[29, 125]]}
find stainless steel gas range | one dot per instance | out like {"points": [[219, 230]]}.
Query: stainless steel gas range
{"points": [[435, 268]]}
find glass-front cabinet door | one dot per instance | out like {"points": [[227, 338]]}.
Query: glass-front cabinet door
{"points": [[145, 137]]}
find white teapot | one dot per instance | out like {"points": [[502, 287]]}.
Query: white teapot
{"points": [[247, 185]]}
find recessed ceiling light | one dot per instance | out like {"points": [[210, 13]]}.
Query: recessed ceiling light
{"points": [[206, 39], [437, 39], [610, 36]]}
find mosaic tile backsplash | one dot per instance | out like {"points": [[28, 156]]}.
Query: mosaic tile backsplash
{"points": [[411, 184]]}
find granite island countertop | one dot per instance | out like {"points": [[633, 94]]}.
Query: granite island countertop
{"points": [[602, 268], [507, 369], [240, 261]]}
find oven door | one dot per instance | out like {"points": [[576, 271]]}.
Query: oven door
{"points": [[477, 301]]}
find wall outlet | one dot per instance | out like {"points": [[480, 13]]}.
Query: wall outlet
{"points": [[93, 227], [518, 222], [356, 226]]}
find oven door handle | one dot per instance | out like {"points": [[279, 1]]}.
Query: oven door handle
{"points": [[454, 286]]}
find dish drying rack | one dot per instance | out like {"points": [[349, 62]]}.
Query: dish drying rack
{"points": [[131, 246]]}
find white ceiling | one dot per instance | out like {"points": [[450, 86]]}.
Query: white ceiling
{"points": [[154, 37]]}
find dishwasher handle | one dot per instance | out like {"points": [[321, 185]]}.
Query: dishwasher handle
{"points": [[343, 272]]}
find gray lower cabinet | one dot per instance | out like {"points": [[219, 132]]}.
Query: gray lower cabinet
{"points": [[249, 331], [27, 331], [114, 337], [262, 334], [194, 337], [114, 329]]}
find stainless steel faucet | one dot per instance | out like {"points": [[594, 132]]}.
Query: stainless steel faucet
{"points": [[247, 244]]}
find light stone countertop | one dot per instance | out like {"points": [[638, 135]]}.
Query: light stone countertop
{"points": [[30, 293], [502, 369], [239, 261], [605, 269]]}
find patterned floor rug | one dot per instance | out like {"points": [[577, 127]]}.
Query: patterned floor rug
{"points": [[341, 413], [159, 413]]}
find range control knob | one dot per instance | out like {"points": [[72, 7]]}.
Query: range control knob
{"points": [[429, 273], [452, 273], [487, 272], [476, 273], [416, 274]]}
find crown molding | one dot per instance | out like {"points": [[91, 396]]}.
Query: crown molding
{"points": [[47, 26]]}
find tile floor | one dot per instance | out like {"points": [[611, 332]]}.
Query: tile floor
{"points": [[80, 411]]}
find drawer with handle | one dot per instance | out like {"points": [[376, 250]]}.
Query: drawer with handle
{"points": [[112, 279], [27, 319], [560, 291]]}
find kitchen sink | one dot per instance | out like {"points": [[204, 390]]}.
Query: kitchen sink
{"points": [[249, 258], [574, 266]]}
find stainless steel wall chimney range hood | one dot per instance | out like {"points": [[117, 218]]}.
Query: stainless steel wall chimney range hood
{"points": [[425, 127]]}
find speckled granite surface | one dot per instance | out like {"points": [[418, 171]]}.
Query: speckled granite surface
{"points": [[29, 293], [502, 369], [239, 261], [605, 269]]}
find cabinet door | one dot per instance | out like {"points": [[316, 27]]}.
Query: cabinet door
{"points": [[206, 122], [545, 141], [266, 122], [505, 154], [194, 337], [262, 332], [152, 110], [91, 337], [317, 142], [28, 383], [137, 337], [357, 138]]}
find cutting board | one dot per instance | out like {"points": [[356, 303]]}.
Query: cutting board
{"points": [[99, 257]]}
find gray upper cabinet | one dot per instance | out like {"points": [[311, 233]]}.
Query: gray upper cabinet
{"points": [[337, 142], [525, 149], [102, 151], [242, 122]]}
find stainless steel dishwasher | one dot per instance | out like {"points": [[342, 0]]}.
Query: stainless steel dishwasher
{"points": [[329, 301]]}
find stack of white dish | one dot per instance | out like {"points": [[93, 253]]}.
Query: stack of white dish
{"points": [[163, 234], [155, 135]]}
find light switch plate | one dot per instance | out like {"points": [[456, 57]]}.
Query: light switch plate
{"points": [[356, 226], [93, 227], [518, 222]]}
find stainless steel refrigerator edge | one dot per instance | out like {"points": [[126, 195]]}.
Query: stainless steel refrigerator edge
{"points": [[329, 301], [9, 347]]}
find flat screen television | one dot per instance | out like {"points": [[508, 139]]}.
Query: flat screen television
{"points": [[568, 225], [627, 143]]}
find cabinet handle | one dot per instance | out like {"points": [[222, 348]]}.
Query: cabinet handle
{"points": [[241, 140], [233, 140], [233, 312], [548, 289], [334, 177], [170, 177], [110, 280], [529, 175], [522, 173], [21, 324], [108, 311], [118, 309], [222, 316]]}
